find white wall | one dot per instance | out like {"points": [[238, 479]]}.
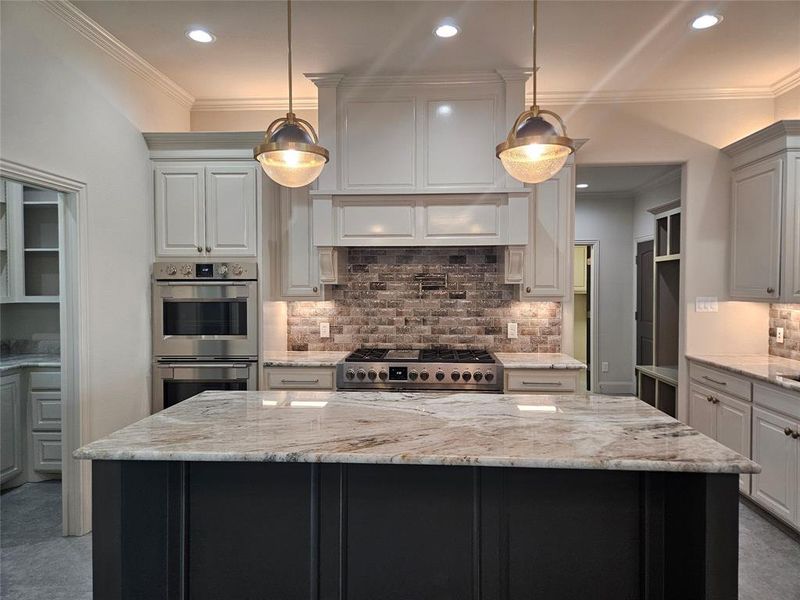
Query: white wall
{"points": [[238, 120], [67, 108], [608, 219], [651, 196], [787, 105]]}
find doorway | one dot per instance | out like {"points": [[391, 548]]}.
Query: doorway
{"points": [[582, 299]]}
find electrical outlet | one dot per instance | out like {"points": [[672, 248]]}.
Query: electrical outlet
{"points": [[779, 334], [512, 331], [324, 330], [604, 367], [706, 304]]}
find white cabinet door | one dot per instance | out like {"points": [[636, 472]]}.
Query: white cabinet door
{"points": [[776, 486], [299, 269], [230, 213], [180, 214], [733, 429], [11, 427], [549, 255], [790, 285], [702, 411], [460, 220], [756, 230], [378, 221]]}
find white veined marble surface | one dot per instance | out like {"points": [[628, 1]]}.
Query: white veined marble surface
{"points": [[765, 367], [571, 431], [290, 358], [538, 360]]}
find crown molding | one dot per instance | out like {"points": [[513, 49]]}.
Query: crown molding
{"points": [[775, 131], [103, 39], [641, 96], [248, 104], [204, 140], [786, 84]]}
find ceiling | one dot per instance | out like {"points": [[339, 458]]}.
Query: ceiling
{"points": [[621, 180], [606, 46]]}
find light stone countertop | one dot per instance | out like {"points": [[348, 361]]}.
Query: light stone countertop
{"points": [[538, 360], [579, 431], [289, 358], [763, 367], [19, 361]]}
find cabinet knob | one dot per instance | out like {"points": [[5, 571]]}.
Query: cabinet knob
{"points": [[715, 400], [795, 434], [208, 248], [199, 248], [709, 398], [770, 290], [528, 290], [788, 431], [315, 289]]}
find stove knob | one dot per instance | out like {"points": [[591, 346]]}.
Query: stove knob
{"points": [[222, 270], [424, 375], [238, 270], [361, 373], [384, 375], [478, 376], [466, 376], [439, 375], [350, 374], [372, 374], [412, 375], [489, 377], [455, 375], [186, 270], [172, 269]]}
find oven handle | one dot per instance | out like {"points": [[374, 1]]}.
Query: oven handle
{"points": [[182, 365], [225, 283]]}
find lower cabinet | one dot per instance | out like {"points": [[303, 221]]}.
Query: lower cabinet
{"points": [[11, 427], [775, 448], [46, 452], [299, 378], [722, 418]]}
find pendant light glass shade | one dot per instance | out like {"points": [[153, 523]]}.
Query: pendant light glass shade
{"points": [[534, 151], [291, 155]]}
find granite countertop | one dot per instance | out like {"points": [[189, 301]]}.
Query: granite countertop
{"points": [[289, 358], [581, 431], [763, 367], [18, 361], [538, 360]]}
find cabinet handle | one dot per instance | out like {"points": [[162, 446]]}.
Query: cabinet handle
{"points": [[208, 249], [199, 248], [528, 290], [553, 383], [714, 380], [770, 290], [788, 431], [299, 381]]}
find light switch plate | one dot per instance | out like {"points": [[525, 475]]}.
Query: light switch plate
{"points": [[324, 330], [512, 331], [706, 304], [779, 335], [604, 367]]}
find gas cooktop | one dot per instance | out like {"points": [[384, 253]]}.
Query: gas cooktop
{"points": [[430, 369]]}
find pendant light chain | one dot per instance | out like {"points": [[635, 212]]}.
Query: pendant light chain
{"points": [[289, 38], [535, 11]]}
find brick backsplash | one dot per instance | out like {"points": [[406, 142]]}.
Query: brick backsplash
{"points": [[788, 317], [379, 304]]}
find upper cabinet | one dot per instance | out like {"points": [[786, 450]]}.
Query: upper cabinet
{"points": [[765, 214], [417, 134], [205, 209], [298, 268]]}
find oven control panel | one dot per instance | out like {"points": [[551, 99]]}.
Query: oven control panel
{"points": [[241, 270], [419, 375]]}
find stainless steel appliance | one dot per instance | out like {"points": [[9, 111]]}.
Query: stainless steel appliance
{"points": [[176, 380], [435, 369], [205, 310], [205, 329]]}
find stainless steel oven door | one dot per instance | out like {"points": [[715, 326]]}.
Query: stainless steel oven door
{"points": [[174, 382], [205, 318]]}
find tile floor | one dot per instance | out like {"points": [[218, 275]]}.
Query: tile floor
{"points": [[36, 562]]}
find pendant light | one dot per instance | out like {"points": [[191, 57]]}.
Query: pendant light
{"points": [[533, 151], [291, 155]]}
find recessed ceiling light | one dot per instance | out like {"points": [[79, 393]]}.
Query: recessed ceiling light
{"points": [[706, 21], [582, 186], [446, 30], [200, 35]]}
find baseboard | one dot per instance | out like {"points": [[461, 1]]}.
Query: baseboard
{"points": [[616, 387]]}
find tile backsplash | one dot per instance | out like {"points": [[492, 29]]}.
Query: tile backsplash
{"points": [[788, 317], [423, 298]]}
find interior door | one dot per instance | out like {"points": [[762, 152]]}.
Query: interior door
{"points": [[644, 303]]}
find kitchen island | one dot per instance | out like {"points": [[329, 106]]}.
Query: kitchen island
{"points": [[365, 495]]}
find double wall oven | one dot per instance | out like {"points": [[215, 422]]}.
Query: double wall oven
{"points": [[205, 329]]}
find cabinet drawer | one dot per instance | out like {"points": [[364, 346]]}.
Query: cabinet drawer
{"points": [[777, 399], [46, 411], [539, 380], [720, 380], [47, 452], [299, 378], [45, 380]]}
